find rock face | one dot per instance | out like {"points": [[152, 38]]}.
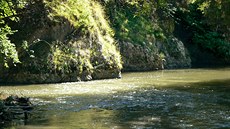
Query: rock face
{"points": [[145, 31], [61, 49], [73, 41], [176, 54], [169, 54], [138, 58]]}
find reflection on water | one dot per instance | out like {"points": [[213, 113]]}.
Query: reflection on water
{"points": [[198, 98]]}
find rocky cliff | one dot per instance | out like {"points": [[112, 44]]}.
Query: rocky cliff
{"points": [[145, 31], [167, 55], [74, 40], [63, 41]]}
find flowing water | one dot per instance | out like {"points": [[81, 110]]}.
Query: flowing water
{"points": [[192, 98]]}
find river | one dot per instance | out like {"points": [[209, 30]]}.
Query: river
{"points": [[168, 99]]}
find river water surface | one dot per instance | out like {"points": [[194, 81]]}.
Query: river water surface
{"points": [[180, 99]]}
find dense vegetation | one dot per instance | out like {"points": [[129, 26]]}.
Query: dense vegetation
{"points": [[134, 21], [7, 48], [208, 24], [68, 39], [143, 22]]}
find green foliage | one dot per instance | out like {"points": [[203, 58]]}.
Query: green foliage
{"points": [[8, 51], [6, 10], [134, 21], [217, 13], [214, 42], [88, 40], [206, 31], [84, 14], [66, 60], [88, 17]]}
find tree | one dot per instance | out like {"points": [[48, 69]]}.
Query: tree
{"points": [[217, 14], [8, 53]]}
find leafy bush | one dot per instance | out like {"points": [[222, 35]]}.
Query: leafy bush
{"points": [[134, 21], [8, 51], [204, 30], [214, 42]]}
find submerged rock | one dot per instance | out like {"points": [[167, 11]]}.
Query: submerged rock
{"points": [[14, 107]]}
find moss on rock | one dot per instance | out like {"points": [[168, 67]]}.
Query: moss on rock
{"points": [[66, 43]]}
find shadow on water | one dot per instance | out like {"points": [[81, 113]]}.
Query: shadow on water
{"points": [[196, 105], [203, 104], [199, 105], [220, 85]]}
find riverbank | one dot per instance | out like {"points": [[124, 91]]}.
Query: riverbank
{"points": [[81, 41], [75, 44]]}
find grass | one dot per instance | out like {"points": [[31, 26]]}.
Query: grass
{"points": [[89, 17]]}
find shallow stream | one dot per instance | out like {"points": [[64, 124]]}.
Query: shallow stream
{"points": [[190, 98]]}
